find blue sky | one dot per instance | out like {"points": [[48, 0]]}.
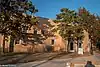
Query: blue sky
{"points": [[49, 8]]}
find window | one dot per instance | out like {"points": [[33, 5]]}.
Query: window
{"points": [[52, 41], [35, 31], [16, 42], [39, 32], [42, 32]]}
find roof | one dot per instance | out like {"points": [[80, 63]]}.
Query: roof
{"points": [[43, 20]]}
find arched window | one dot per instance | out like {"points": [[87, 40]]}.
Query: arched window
{"points": [[79, 43]]}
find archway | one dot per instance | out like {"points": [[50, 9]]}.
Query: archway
{"points": [[71, 45]]}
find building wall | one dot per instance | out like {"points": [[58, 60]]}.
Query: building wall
{"points": [[58, 45], [29, 48], [6, 43], [85, 41], [1, 40]]}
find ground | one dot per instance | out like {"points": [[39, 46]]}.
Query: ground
{"points": [[53, 59]]}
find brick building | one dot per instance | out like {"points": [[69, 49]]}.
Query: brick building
{"points": [[39, 38]]}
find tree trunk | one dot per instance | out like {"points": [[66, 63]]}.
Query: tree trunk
{"points": [[77, 47], [4, 44], [11, 45], [91, 49], [68, 46]]}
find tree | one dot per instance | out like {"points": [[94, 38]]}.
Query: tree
{"points": [[13, 19], [90, 22], [69, 26]]}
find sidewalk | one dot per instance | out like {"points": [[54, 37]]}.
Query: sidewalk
{"points": [[52, 59], [46, 63], [76, 62], [81, 61]]}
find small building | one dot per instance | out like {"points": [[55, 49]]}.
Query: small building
{"points": [[39, 38]]}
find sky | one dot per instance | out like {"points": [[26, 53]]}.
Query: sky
{"points": [[49, 8]]}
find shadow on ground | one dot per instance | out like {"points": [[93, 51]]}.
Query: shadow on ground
{"points": [[25, 57], [51, 58]]}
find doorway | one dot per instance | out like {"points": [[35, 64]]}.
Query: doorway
{"points": [[71, 47]]}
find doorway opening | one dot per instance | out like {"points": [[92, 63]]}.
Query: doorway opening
{"points": [[71, 47]]}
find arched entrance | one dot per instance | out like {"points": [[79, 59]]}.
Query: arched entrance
{"points": [[71, 45]]}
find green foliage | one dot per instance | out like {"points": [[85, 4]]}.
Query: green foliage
{"points": [[84, 20], [69, 23], [33, 20], [13, 21], [91, 23], [67, 15]]}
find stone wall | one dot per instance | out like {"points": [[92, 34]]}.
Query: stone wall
{"points": [[85, 41], [29, 48], [58, 45]]}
